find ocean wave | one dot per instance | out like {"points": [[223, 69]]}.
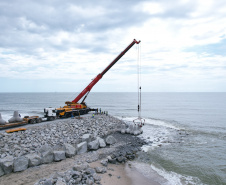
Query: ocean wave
{"points": [[154, 121], [175, 178]]}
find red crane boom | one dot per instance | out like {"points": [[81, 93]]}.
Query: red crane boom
{"points": [[99, 76]]}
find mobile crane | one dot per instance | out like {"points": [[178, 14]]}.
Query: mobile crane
{"points": [[73, 108]]}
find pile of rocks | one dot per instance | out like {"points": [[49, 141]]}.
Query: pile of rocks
{"points": [[54, 142], [47, 154], [82, 173]]}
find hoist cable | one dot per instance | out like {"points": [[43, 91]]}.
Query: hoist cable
{"points": [[139, 80]]}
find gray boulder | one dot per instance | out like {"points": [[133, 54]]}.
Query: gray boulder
{"points": [[86, 137], [7, 164], [1, 171], [94, 145], [20, 164], [104, 162], [15, 118], [59, 155], [90, 171], [48, 182], [2, 121], [101, 169], [80, 166], [46, 154], [33, 160], [110, 140], [82, 147], [60, 181], [101, 142], [96, 177], [89, 181], [70, 151]]}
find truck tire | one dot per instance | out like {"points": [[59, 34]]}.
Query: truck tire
{"points": [[67, 115], [32, 121], [38, 120], [51, 118]]}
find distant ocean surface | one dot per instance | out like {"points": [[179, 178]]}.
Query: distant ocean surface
{"points": [[186, 131]]}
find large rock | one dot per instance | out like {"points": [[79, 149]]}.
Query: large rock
{"points": [[104, 162], [1, 171], [33, 160], [86, 137], [101, 169], [46, 154], [20, 164], [70, 151], [94, 145], [2, 121], [47, 182], [7, 164], [96, 177], [82, 147], [59, 155], [101, 142], [80, 166], [60, 181], [15, 118], [110, 140]]}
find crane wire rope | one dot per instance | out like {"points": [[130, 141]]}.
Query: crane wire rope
{"points": [[139, 120], [139, 80]]}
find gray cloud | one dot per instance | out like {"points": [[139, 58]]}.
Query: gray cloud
{"points": [[28, 25]]}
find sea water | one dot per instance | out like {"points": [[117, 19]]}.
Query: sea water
{"points": [[185, 132]]}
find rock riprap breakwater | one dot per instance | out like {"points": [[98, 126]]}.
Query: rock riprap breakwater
{"points": [[55, 141], [123, 150]]}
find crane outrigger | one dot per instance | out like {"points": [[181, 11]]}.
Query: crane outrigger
{"points": [[73, 107]]}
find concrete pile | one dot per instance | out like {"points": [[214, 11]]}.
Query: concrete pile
{"points": [[15, 118], [54, 142], [2, 121]]}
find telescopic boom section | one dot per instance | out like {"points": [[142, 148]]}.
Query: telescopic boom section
{"points": [[99, 76]]}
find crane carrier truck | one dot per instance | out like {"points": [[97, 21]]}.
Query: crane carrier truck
{"points": [[73, 108]]}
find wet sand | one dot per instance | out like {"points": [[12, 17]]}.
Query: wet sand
{"points": [[124, 174]]}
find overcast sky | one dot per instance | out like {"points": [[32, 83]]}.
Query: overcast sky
{"points": [[59, 46]]}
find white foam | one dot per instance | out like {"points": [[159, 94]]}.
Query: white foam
{"points": [[160, 123], [152, 122], [176, 179]]}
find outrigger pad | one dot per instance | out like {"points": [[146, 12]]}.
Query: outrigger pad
{"points": [[15, 118], [2, 121]]}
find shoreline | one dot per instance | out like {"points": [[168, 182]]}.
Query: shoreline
{"points": [[126, 145], [122, 173]]}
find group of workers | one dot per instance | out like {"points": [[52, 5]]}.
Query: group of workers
{"points": [[100, 112]]}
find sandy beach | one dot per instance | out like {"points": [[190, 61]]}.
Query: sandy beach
{"points": [[116, 174]]}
